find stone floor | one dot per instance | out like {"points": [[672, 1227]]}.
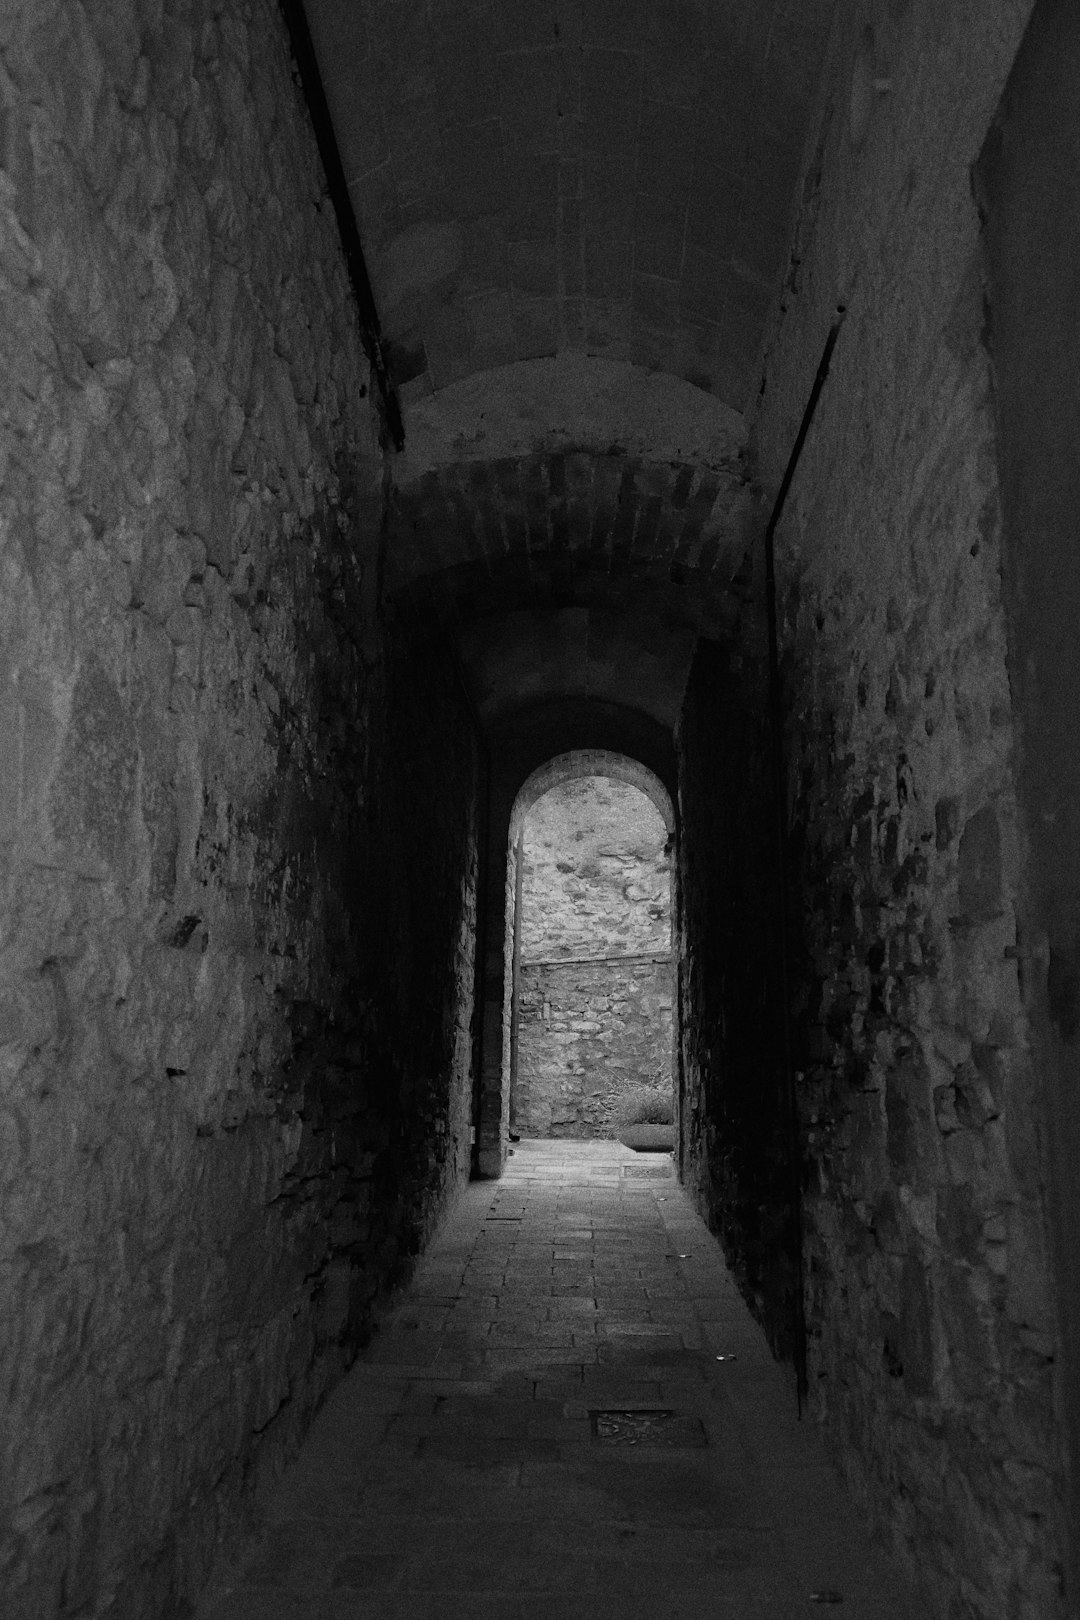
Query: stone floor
{"points": [[462, 1470]]}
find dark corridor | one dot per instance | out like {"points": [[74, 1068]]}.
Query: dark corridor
{"points": [[395, 394]]}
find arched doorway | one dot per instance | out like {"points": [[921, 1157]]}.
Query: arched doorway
{"points": [[588, 1000]]}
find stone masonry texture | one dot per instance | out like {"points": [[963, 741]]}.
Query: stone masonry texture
{"points": [[594, 982], [590, 1034], [212, 997], [533, 749], [273, 703], [933, 1337], [596, 876]]}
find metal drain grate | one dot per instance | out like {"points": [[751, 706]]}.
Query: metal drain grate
{"points": [[653, 1426], [637, 1170]]}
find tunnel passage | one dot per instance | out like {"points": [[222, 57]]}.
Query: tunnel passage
{"points": [[573, 571], [609, 595], [589, 948], [269, 690]]}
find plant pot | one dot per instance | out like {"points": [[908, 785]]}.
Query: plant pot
{"points": [[648, 1138]]}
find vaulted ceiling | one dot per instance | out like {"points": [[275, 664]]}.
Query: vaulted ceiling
{"points": [[576, 216], [609, 177], [575, 524]]}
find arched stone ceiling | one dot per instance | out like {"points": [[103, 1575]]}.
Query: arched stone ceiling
{"points": [[568, 402], [535, 177], [574, 574], [576, 528], [579, 762], [574, 524]]}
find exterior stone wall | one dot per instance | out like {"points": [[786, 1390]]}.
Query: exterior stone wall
{"points": [[596, 878], [589, 1034], [233, 1068], [529, 747], [593, 997], [933, 1333]]}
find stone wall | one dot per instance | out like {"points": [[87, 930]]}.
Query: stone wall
{"points": [[590, 1034], [1031, 232], [735, 1152], [596, 877], [529, 747], [593, 1003], [933, 1335], [234, 1069]]}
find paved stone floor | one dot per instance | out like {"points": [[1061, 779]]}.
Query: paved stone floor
{"points": [[461, 1470]]}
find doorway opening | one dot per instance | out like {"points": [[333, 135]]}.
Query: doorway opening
{"points": [[589, 1032]]}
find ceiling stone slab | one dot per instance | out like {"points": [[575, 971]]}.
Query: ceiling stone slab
{"points": [[535, 177]]}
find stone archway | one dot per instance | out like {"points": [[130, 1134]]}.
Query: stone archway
{"points": [[557, 770], [589, 991], [579, 762]]}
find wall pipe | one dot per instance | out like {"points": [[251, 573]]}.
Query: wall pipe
{"points": [[307, 66], [791, 1106]]}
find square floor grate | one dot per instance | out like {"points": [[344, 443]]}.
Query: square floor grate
{"points": [[652, 1426]]}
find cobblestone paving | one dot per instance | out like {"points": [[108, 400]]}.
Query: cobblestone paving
{"points": [[461, 1470]]}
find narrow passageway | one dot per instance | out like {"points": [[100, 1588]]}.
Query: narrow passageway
{"points": [[569, 1413]]}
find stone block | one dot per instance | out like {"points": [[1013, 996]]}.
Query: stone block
{"points": [[10, 766], [959, 1223], [535, 326], [609, 91], [1029, 1292], [608, 265], [529, 85], [916, 1327], [659, 227], [533, 268], [91, 796], [980, 866], [703, 288]]}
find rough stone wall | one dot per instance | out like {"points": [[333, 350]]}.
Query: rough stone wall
{"points": [[1031, 231], [593, 1014], [415, 940], [589, 1033], [522, 746], [207, 856], [596, 877], [932, 1321]]}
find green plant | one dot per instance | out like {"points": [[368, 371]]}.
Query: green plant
{"points": [[646, 1105]]}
